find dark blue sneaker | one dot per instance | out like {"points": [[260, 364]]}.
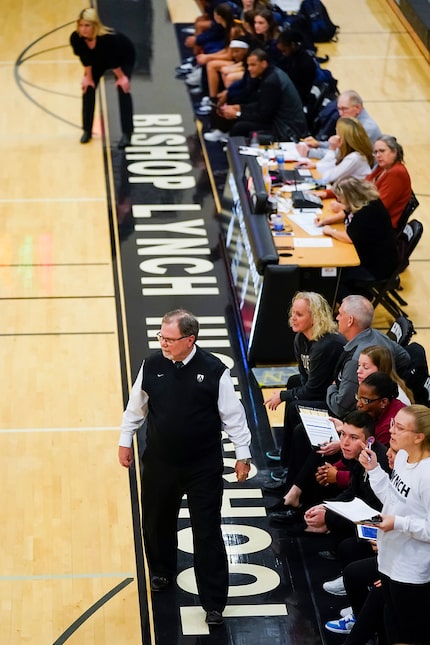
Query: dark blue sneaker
{"points": [[274, 455]]}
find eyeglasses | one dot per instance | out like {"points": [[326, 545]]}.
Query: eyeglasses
{"points": [[365, 400], [394, 426], [168, 341], [380, 152]]}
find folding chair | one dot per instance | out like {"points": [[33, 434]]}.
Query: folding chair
{"points": [[385, 292], [418, 378], [401, 331], [412, 204]]}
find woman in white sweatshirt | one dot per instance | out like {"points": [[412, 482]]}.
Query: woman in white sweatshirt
{"points": [[404, 542], [350, 154]]}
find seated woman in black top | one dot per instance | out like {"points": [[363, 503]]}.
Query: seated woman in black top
{"points": [[368, 227]]}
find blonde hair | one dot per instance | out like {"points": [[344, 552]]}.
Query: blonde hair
{"points": [[90, 15], [382, 359], [354, 138], [356, 193], [421, 414], [322, 315]]}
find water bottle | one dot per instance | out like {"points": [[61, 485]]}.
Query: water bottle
{"points": [[266, 177], [278, 224], [254, 142]]}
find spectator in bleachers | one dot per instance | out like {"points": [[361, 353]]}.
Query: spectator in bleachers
{"points": [[266, 31], [297, 62], [251, 5], [273, 105], [213, 31], [223, 72]]}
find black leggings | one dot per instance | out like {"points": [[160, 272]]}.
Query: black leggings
{"points": [[406, 606], [125, 103]]}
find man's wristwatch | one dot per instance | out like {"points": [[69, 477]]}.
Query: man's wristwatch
{"points": [[246, 461], [238, 114]]}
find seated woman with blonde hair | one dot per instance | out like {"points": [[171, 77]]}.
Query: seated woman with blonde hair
{"points": [[350, 153], [368, 227]]}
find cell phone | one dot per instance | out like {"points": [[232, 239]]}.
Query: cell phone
{"points": [[367, 532]]}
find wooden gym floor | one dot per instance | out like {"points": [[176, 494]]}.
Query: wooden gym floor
{"points": [[66, 533]]}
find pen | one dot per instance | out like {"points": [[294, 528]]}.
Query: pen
{"points": [[369, 447]]}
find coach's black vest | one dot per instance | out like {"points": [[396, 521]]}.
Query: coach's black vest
{"points": [[183, 421]]}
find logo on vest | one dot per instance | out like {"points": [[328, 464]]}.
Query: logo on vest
{"points": [[200, 378]]}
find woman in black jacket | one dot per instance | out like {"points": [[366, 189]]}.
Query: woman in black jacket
{"points": [[99, 49]]}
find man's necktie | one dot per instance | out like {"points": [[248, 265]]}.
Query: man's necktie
{"points": [[179, 365]]}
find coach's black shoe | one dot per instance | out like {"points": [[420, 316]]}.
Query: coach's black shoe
{"points": [[158, 583], [287, 516], [124, 141], [214, 618], [86, 136], [271, 486]]}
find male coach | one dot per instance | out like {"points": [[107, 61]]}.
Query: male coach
{"points": [[187, 396]]}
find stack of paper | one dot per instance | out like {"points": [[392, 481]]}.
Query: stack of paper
{"points": [[356, 510], [320, 429]]}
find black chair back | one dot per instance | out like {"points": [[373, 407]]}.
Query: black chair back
{"points": [[401, 331], [418, 377], [412, 204], [407, 242]]}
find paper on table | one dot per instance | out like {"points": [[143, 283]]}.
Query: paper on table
{"points": [[306, 220], [302, 185], [312, 242], [319, 428], [290, 151], [356, 510], [253, 152]]}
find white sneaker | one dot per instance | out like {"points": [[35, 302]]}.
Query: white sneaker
{"points": [[216, 135], [336, 587], [194, 77], [341, 626], [346, 611], [203, 109]]}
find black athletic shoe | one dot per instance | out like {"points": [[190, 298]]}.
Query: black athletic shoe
{"points": [[214, 618], [158, 583], [86, 137], [124, 141]]}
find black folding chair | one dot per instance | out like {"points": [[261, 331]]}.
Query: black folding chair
{"points": [[385, 292], [418, 378], [401, 331], [412, 204]]}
